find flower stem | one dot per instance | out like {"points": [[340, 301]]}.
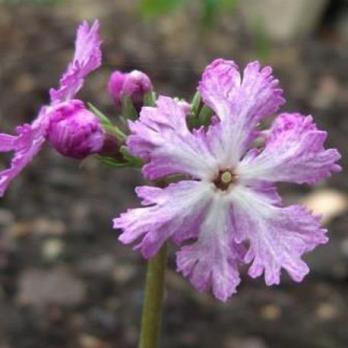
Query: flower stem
{"points": [[152, 308]]}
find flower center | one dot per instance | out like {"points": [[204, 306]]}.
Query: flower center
{"points": [[224, 179]]}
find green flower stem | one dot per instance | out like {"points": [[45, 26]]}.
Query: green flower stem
{"points": [[152, 308]]}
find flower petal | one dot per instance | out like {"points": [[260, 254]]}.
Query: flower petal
{"points": [[278, 236], [176, 209], [212, 261], [294, 152], [87, 58], [25, 145], [7, 142], [162, 137], [239, 102]]}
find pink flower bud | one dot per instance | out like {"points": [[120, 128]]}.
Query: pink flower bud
{"points": [[74, 131], [134, 85]]}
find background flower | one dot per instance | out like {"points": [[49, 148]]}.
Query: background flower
{"points": [[30, 137]]}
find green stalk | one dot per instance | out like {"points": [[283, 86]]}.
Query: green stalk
{"points": [[153, 301]]}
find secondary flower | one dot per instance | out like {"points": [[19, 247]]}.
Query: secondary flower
{"points": [[30, 137], [225, 211], [134, 85]]}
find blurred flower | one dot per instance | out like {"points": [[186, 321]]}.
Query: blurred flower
{"points": [[134, 85], [75, 131], [30, 137], [227, 212]]}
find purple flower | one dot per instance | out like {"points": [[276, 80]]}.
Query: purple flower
{"points": [[74, 131], [30, 137], [134, 85], [226, 211]]}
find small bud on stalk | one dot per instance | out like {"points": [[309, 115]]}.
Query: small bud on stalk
{"points": [[134, 85]]}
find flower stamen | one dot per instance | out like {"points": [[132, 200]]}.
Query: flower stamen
{"points": [[224, 179]]}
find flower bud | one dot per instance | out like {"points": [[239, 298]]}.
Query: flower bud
{"points": [[75, 131], [134, 85]]}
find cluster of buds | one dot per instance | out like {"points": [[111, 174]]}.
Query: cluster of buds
{"points": [[77, 132], [67, 124]]}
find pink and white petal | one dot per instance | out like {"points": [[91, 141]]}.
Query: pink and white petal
{"points": [[219, 85], [277, 236], [240, 102], [87, 58], [25, 145], [7, 142], [294, 152], [162, 138], [211, 263], [176, 209]]}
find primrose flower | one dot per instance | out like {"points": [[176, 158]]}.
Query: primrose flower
{"points": [[30, 137], [134, 85], [225, 212]]}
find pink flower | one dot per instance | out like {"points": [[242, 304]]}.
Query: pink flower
{"points": [[87, 58], [30, 137], [225, 212], [134, 85]]}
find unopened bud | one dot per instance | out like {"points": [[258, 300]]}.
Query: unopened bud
{"points": [[134, 85], [75, 131]]}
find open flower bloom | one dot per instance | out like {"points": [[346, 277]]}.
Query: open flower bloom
{"points": [[226, 212], [30, 137]]}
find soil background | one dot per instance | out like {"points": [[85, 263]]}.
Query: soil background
{"points": [[65, 281]]}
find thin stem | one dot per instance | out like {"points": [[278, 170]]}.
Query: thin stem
{"points": [[152, 308]]}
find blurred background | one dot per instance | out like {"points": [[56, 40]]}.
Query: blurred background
{"points": [[65, 281]]}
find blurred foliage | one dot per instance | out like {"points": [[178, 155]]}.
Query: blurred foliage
{"points": [[34, 2], [210, 8], [263, 44], [209, 14], [158, 7]]}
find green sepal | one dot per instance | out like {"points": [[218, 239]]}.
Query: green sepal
{"points": [[131, 160], [128, 110], [150, 98], [127, 160], [205, 116], [107, 124], [112, 162], [196, 104]]}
